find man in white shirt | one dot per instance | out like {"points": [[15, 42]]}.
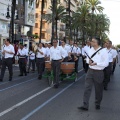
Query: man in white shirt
{"points": [[71, 51], [22, 53], [40, 60], [7, 61], [108, 69], [57, 55], [83, 55], [67, 50], [31, 60], [86, 51], [97, 60], [77, 53], [116, 59]]}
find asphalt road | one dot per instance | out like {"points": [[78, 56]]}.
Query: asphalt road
{"points": [[27, 98]]}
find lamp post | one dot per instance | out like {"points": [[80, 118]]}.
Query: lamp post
{"points": [[11, 31]]}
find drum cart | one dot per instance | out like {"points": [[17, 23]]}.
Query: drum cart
{"points": [[67, 72]]}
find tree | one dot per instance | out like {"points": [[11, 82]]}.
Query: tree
{"points": [[80, 19], [60, 14]]}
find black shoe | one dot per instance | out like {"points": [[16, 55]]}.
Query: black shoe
{"points": [[56, 85], [27, 71], [39, 77], [10, 79], [25, 74], [1, 80], [97, 107], [105, 88], [21, 75], [83, 108]]}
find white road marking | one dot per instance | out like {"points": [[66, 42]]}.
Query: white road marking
{"points": [[33, 96], [48, 101]]}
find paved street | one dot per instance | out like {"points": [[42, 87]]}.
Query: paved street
{"points": [[27, 98]]}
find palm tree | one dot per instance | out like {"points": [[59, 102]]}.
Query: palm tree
{"points": [[59, 15], [94, 6], [81, 19]]}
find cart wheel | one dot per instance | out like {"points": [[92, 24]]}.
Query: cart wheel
{"points": [[50, 81]]}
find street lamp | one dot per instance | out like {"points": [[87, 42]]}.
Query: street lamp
{"points": [[12, 21]]}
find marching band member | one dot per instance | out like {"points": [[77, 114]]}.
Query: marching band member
{"points": [[77, 52], [7, 61], [97, 60], [108, 69], [57, 55], [67, 50], [40, 60], [31, 55], [116, 59], [86, 51], [22, 53], [71, 51]]}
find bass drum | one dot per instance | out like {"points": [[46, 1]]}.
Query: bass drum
{"points": [[67, 67]]}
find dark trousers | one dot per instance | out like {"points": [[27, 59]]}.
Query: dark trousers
{"points": [[93, 77], [83, 62], [31, 62], [40, 65], [76, 65], [22, 65], [107, 73], [86, 67], [56, 70], [7, 62], [114, 66]]}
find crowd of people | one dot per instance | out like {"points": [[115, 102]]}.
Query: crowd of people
{"points": [[98, 62]]}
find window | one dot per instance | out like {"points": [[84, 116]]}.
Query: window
{"points": [[36, 15], [36, 25], [36, 34], [43, 35]]}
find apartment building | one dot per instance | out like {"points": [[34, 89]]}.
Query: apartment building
{"points": [[22, 27], [46, 27]]}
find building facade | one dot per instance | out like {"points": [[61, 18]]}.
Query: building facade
{"points": [[23, 26], [47, 27]]}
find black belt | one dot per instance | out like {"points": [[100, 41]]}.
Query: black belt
{"points": [[8, 58], [40, 58], [57, 60]]}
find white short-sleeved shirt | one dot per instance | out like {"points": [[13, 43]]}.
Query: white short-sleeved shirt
{"points": [[9, 48], [39, 55], [31, 55], [111, 54], [77, 50], [57, 53], [101, 58], [22, 52]]}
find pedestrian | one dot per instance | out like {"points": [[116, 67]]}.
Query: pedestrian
{"points": [[31, 55], [40, 59], [108, 69], [22, 53], [97, 60], [71, 51], [7, 60], [57, 55]]}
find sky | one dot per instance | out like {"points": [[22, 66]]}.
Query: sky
{"points": [[112, 9]]}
